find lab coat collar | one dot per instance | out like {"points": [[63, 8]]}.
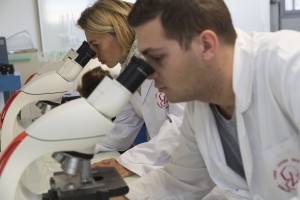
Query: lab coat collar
{"points": [[213, 153], [242, 71], [133, 52], [242, 87], [145, 88]]}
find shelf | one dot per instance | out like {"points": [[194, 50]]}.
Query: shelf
{"points": [[19, 57]]}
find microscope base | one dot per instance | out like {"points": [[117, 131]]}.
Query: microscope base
{"points": [[107, 183]]}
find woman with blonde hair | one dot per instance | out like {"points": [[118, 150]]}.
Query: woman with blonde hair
{"points": [[107, 31]]}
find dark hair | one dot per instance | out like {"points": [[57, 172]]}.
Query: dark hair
{"points": [[182, 20], [90, 80]]}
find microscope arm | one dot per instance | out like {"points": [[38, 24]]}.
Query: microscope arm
{"points": [[49, 86]]}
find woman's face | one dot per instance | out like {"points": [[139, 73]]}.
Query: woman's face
{"points": [[108, 49]]}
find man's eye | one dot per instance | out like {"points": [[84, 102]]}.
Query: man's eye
{"points": [[157, 58]]}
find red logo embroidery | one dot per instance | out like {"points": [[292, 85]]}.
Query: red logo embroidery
{"points": [[287, 174], [161, 100]]}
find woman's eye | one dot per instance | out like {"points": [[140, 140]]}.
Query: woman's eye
{"points": [[96, 46]]}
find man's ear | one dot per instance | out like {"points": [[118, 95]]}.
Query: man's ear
{"points": [[209, 41]]}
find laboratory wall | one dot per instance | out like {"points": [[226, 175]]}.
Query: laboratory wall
{"points": [[58, 19], [250, 15], [20, 15]]}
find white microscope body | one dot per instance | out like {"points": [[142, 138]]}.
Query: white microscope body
{"points": [[49, 86], [74, 126]]}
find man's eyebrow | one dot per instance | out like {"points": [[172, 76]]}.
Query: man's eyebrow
{"points": [[150, 50]]}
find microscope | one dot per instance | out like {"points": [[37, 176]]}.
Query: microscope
{"points": [[44, 90], [71, 131]]}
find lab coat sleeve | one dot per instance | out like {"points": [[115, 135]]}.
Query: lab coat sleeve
{"points": [[156, 152], [185, 177], [127, 126]]}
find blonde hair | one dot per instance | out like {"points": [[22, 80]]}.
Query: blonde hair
{"points": [[109, 16]]}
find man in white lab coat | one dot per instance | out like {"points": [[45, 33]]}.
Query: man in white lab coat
{"points": [[242, 121]]}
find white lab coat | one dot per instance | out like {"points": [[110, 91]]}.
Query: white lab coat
{"points": [[162, 120], [266, 82]]}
